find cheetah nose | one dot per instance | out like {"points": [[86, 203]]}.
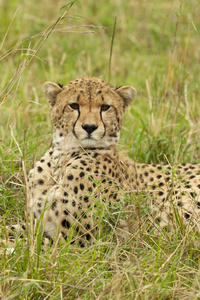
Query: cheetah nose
{"points": [[89, 128]]}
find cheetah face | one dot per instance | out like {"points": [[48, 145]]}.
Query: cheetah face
{"points": [[87, 112]]}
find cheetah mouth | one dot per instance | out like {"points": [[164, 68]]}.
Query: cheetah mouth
{"points": [[92, 138], [86, 137], [89, 138]]}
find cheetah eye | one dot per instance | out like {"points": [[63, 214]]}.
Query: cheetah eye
{"points": [[74, 105], [105, 107]]}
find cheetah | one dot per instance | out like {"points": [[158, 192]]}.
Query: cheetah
{"points": [[83, 165]]}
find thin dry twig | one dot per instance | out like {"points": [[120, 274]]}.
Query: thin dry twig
{"points": [[25, 63], [111, 50]]}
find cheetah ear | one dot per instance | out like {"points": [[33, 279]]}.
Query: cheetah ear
{"points": [[128, 93], [51, 90]]}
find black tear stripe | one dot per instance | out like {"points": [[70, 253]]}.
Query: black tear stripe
{"points": [[103, 124], [102, 98], [75, 123]]}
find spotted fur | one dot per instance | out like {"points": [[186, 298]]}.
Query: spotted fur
{"points": [[83, 165]]}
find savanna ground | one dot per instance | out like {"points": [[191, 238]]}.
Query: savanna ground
{"points": [[156, 49]]}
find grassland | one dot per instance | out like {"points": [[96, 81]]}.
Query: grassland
{"points": [[156, 49]]}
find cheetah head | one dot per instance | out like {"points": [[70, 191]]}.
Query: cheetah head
{"points": [[87, 112]]}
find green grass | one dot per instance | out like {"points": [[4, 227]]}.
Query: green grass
{"points": [[156, 49]]}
